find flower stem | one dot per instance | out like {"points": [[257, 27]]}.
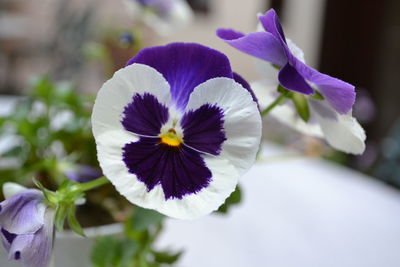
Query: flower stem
{"points": [[271, 106], [93, 184]]}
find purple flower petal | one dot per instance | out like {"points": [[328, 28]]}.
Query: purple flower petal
{"points": [[81, 173], [339, 94], [184, 66], [262, 45], [203, 129], [34, 250], [145, 115], [292, 80], [7, 238], [270, 22], [23, 213], [179, 170]]}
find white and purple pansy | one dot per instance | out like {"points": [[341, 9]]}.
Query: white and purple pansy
{"points": [[271, 45], [176, 128], [26, 226]]}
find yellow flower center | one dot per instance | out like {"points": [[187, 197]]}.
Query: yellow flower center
{"points": [[170, 138]]}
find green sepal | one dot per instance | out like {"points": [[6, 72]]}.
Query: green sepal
{"points": [[50, 196], [166, 257], [232, 200], [61, 214], [317, 95], [73, 222], [301, 104]]}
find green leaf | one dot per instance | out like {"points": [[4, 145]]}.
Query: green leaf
{"points": [[128, 250], [73, 222], [301, 104], [110, 251], [143, 218], [232, 200], [166, 257], [43, 88], [104, 252]]}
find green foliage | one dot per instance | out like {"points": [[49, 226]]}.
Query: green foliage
{"points": [[231, 201], [43, 138], [135, 248]]}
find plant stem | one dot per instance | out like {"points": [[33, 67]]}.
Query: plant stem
{"points": [[277, 101], [93, 184]]}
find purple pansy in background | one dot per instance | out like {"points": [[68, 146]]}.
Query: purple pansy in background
{"points": [[282, 62], [26, 226], [164, 16], [82, 173], [271, 45], [176, 128]]}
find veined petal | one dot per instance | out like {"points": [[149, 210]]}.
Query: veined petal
{"points": [[262, 45], [23, 213], [34, 250], [203, 129], [115, 95], [184, 66], [343, 132], [145, 115], [242, 120], [180, 170]]}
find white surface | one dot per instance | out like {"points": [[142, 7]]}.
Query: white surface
{"points": [[297, 213]]}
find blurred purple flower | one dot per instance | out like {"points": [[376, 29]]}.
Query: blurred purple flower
{"points": [[26, 226], [159, 6], [82, 173], [271, 45]]}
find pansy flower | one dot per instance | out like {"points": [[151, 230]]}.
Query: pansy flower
{"points": [[26, 226], [176, 128], [163, 16], [329, 100]]}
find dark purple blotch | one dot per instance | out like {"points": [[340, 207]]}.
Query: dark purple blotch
{"points": [[145, 115], [180, 170]]}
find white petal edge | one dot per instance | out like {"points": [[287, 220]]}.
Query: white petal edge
{"points": [[12, 189], [343, 133], [223, 183], [242, 120], [118, 91]]}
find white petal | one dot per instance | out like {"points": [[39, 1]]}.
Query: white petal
{"points": [[117, 92], [179, 15], [343, 132], [224, 180], [284, 113], [242, 120], [11, 189], [296, 51]]}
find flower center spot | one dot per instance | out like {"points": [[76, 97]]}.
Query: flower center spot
{"points": [[171, 138]]}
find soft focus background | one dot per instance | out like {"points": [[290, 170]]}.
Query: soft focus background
{"points": [[84, 42]]}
